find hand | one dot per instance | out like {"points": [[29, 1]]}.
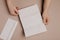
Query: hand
{"points": [[45, 17], [12, 9]]}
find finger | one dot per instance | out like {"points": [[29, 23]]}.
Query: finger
{"points": [[13, 13], [16, 11], [44, 20], [47, 20], [17, 8]]}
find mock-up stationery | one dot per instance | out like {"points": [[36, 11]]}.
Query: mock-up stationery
{"points": [[31, 20], [8, 29]]}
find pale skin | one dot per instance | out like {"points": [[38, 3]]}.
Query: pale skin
{"points": [[14, 10]]}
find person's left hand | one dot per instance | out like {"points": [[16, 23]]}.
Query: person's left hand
{"points": [[45, 17]]}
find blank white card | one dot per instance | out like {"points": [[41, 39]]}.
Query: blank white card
{"points": [[8, 29], [31, 20]]}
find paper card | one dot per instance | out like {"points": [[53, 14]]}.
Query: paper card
{"points": [[8, 29], [31, 20]]}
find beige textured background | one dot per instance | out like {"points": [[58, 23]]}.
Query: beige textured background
{"points": [[53, 27]]}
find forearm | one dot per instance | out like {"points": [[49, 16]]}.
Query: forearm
{"points": [[46, 5], [9, 3]]}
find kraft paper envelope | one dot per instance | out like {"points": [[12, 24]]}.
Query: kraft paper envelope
{"points": [[31, 20]]}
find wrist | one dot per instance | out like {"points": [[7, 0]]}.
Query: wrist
{"points": [[9, 2]]}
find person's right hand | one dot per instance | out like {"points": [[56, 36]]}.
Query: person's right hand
{"points": [[12, 9]]}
